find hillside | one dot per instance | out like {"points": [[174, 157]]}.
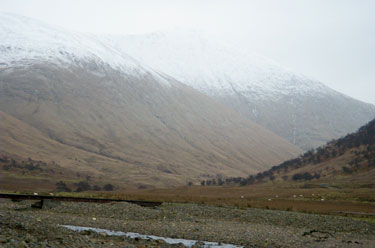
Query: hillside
{"points": [[303, 110], [349, 160], [97, 111]]}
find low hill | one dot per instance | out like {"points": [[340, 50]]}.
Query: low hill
{"points": [[348, 160]]}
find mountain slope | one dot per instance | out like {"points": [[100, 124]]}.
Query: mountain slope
{"points": [[349, 160], [153, 129], [302, 110]]}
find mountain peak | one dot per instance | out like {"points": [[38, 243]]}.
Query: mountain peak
{"points": [[288, 103], [195, 58], [25, 39]]}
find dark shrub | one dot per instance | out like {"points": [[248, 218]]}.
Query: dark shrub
{"points": [[108, 187], [82, 186], [61, 187]]}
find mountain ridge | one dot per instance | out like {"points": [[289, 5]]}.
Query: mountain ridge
{"points": [[259, 89], [146, 126]]}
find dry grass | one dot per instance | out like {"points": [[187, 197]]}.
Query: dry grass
{"points": [[265, 198], [131, 129], [281, 197]]}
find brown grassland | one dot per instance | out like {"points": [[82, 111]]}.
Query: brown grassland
{"points": [[355, 201]]}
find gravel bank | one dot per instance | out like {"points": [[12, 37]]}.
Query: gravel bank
{"points": [[22, 226]]}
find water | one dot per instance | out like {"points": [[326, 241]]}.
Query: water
{"points": [[185, 242]]}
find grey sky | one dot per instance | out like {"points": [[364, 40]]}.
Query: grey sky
{"points": [[329, 40]]}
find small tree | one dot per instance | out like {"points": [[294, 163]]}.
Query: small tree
{"points": [[96, 188], [61, 187], [347, 170], [83, 186], [220, 181], [108, 187]]}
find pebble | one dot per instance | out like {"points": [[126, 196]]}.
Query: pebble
{"points": [[248, 227]]}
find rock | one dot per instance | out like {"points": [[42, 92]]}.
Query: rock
{"points": [[198, 244], [38, 204], [85, 232], [160, 241], [19, 225], [180, 245], [23, 244], [28, 238], [319, 236], [48, 204]]}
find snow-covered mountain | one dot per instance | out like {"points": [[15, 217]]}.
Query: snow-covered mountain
{"points": [[79, 101], [26, 41], [304, 111], [213, 67]]}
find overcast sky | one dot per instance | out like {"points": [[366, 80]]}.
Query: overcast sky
{"points": [[329, 40]]}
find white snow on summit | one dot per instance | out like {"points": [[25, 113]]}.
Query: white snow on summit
{"points": [[25, 40], [189, 56], [212, 67]]}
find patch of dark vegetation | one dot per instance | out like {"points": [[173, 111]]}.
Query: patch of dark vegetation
{"points": [[108, 187], [96, 188], [142, 186], [305, 176], [82, 186], [364, 138], [62, 187], [29, 164]]}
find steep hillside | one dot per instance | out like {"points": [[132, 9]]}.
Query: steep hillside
{"points": [[349, 160], [115, 117], [300, 109]]}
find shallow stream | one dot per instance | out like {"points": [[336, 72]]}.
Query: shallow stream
{"points": [[185, 242]]}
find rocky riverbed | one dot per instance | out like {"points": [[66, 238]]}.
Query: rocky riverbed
{"points": [[23, 226]]}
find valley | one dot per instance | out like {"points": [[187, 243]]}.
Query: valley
{"points": [[236, 149]]}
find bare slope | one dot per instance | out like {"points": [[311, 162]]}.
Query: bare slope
{"points": [[159, 130], [298, 108]]}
